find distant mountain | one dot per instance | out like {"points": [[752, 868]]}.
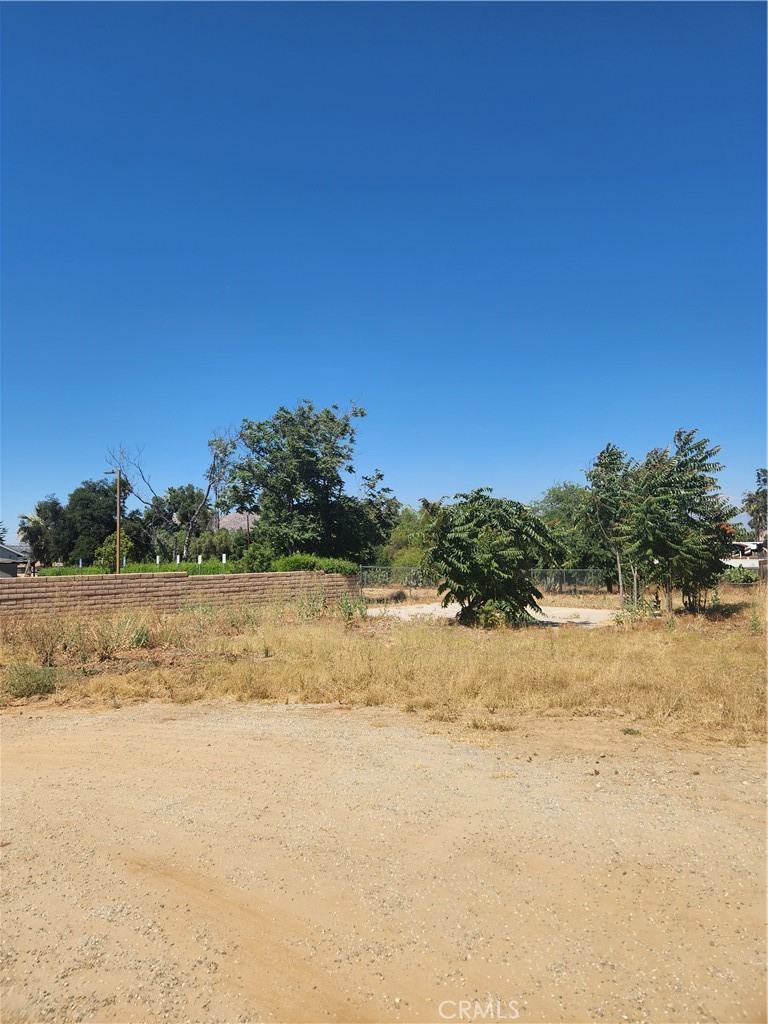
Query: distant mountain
{"points": [[236, 521]]}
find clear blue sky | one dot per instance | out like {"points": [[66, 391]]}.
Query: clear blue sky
{"points": [[513, 232]]}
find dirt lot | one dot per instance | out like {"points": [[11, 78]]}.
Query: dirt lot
{"points": [[249, 862], [551, 616]]}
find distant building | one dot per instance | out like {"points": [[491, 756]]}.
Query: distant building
{"points": [[749, 554], [10, 560]]}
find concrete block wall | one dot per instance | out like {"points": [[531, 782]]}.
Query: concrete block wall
{"points": [[163, 591]]}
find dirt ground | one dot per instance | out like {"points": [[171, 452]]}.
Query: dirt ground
{"points": [[261, 862], [550, 616]]}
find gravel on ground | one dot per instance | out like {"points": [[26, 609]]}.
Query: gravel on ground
{"points": [[260, 862]]}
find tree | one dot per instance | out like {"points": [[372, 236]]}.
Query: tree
{"points": [[677, 523], [664, 517], [289, 471], [364, 521], [756, 506], [408, 543], [90, 515], [482, 549], [2, 532], [105, 554], [172, 520], [564, 508], [608, 503], [46, 531]]}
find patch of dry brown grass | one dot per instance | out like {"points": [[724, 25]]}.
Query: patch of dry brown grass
{"points": [[704, 674], [569, 599]]}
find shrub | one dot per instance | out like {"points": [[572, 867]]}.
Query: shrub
{"points": [[30, 681], [45, 636], [347, 606], [256, 558], [739, 574], [340, 566], [106, 554], [140, 637], [313, 563], [311, 604], [482, 549]]}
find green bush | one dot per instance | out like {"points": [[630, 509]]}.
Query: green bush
{"points": [[739, 574], [255, 559], [107, 552], [209, 567], [30, 681], [347, 606], [313, 563]]}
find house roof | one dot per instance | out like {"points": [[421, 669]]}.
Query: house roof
{"points": [[11, 554]]}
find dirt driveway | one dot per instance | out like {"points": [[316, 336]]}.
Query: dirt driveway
{"points": [[253, 862]]}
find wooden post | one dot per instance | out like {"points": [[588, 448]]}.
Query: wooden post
{"points": [[117, 556]]}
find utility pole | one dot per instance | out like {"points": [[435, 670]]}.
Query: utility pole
{"points": [[116, 473]]}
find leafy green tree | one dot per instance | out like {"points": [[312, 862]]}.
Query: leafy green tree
{"points": [[105, 554], [132, 530], [47, 531], [90, 515], [564, 508], [408, 542], [365, 520], [482, 549], [756, 506], [2, 532], [740, 532], [289, 471], [664, 518], [214, 544], [608, 503], [677, 523]]}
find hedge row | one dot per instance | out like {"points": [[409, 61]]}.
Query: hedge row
{"points": [[212, 567]]}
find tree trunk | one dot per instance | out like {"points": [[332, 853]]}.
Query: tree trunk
{"points": [[620, 574]]}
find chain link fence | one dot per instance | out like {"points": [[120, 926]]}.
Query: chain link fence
{"points": [[408, 577], [570, 581], [548, 580]]}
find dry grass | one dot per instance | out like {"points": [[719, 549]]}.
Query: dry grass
{"points": [[704, 674], [396, 594], [580, 599]]}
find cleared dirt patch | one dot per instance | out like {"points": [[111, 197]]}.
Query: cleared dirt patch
{"points": [[551, 616], [219, 862]]}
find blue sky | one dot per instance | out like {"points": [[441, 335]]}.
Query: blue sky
{"points": [[512, 232]]}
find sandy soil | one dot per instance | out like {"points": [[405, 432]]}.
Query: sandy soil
{"points": [[550, 616], [257, 862]]}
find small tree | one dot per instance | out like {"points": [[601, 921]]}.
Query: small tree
{"points": [[483, 549], [677, 523], [106, 554], [607, 504]]}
